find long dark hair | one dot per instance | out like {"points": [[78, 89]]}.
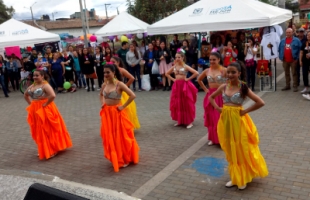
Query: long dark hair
{"points": [[135, 51], [111, 53], [218, 55], [115, 70], [120, 61], [244, 90]]}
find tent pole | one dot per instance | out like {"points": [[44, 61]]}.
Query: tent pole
{"points": [[199, 45], [113, 46]]}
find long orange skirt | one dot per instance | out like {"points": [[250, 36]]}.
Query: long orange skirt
{"points": [[47, 128], [117, 132]]}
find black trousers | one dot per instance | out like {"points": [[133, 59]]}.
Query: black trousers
{"points": [[14, 79], [99, 72], [153, 77], [305, 75]]}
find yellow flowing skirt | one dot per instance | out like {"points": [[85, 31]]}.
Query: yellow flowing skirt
{"points": [[131, 111], [239, 140]]}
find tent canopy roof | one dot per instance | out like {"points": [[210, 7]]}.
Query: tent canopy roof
{"points": [[211, 15], [122, 24], [16, 33]]}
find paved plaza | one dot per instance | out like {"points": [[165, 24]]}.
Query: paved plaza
{"points": [[175, 163]]}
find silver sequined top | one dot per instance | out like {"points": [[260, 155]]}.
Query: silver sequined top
{"points": [[181, 71], [234, 99], [36, 93], [217, 79]]}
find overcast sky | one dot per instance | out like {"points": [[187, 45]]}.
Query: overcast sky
{"points": [[64, 8]]}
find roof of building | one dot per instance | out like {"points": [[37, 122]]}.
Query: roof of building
{"points": [[62, 24], [304, 5]]}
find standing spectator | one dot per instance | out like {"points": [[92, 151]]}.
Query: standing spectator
{"points": [[218, 43], [174, 45], [70, 50], [99, 60], [241, 45], [133, 58], [157, 46], [68, 62], [77, 68], [33, 55], [304, 60], [143, 48], [229, 54], [163, 58], [12, 69], [289, 49], [301, 36], [250, 51], [28, 64], [122, 53], [57, 70], [2, 69], [48, 51], [149, 58], [87, 66], [108, 54]]}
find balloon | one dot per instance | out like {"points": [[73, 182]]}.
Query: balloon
{"points": [[111, 38], [145, 34], [124, 39], [140, 35], [129, 36], [67, 85], [93, 38], [119, 37]]}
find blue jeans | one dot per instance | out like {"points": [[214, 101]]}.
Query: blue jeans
{"points": [[80, 78], [135, 72], [4, 89]]}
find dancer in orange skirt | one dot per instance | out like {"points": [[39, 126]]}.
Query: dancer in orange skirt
{"points": [[117, 131], [47, 127]]}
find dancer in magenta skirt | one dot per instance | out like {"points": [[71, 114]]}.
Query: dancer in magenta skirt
{"points": [[184, 93], [216, 76]]}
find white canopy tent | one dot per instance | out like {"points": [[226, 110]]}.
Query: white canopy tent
{"points": [[211, 15], [122, 24], [16, 33]]}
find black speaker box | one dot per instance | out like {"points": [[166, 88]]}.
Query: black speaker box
{"points": [[38, 191]]}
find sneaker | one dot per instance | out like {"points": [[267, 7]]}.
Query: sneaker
{"points": [[305, 90], [189, 126], [210, 143], [229, 184], [139, 90], [242, 187], [306, 96], [164, 89], [7, 96], [94, 86], [99, 89], [177, 124], [86, 88], [168, 88]]}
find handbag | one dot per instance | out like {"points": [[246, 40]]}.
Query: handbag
{"points": [[155, 68], [146, 85]]}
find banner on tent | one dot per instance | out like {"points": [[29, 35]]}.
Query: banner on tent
{"points": [[54, 46]]}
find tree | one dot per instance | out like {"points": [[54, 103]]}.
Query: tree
{"points": [[6, 13], [151, 11]]}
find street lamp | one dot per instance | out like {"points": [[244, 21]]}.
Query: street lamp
{"points": [[31, 10], [53, 15]]}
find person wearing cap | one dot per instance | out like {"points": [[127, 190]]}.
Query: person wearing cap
{"points": [[28, 65], [34, 55], [301, 36]]}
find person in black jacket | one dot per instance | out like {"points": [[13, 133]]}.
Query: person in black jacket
{"points": [[163, 58], [87, 67], [2, 66], [174, 45], [99, 60], [149, 58], [68, 62]]}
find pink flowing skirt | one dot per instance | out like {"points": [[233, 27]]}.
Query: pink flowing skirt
{"points": [[212, 116], [182, 102]]}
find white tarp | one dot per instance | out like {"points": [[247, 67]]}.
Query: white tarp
{"points": [[217, 15], [122, 24], [16, 33]]}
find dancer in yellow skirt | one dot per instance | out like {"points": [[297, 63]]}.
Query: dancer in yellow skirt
{"points": [[131, 109], [237, 133]]}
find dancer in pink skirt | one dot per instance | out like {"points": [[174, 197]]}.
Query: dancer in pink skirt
{"points": [[184, 93], [216, 76]]}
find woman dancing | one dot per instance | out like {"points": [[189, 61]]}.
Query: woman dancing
{"points": [[47, 127], [131, 109], [119, 143], [184, 93], [237, 133], [216, 76]]}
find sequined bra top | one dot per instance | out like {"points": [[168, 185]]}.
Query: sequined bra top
{"points": [[234, 99], [217, 79], [181, 71], [37, 93], [112, 95]]}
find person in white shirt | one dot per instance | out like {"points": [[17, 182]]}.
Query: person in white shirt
{"points": [[250, 52], [133, 58]]}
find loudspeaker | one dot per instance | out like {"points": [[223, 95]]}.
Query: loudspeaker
{"points": [[38, 191]]}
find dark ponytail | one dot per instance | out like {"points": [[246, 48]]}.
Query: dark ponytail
{"points": [[218, 55], [241, 68], [120, 61], [115, 70]]}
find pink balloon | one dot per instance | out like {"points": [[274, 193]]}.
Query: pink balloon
{"points": [[93, 38]]}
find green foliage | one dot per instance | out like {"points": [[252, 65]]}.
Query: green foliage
{"points": [[151, 11], [6, 13]]}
